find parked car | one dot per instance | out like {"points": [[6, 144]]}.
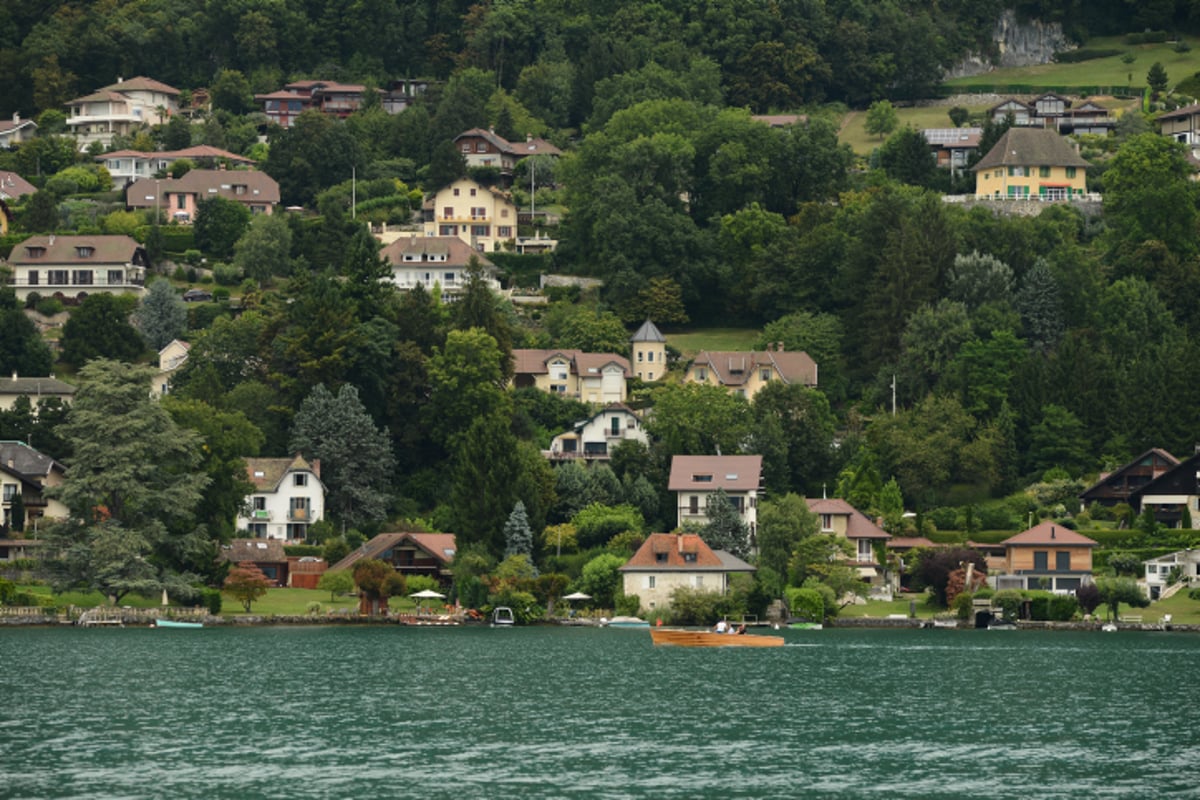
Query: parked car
{"points": [[197, 296]]}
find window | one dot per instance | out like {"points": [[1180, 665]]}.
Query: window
{"points": [[473, 191], [260, 503], [504, 231], [650, 356], [702, 479], [639, 356], [479, 213], [180, 202], [35, 252], [504, 213], [1040, 560], [466, 148], [1070, 172], [827, 522], [456, 190], [10, 489], [447, 230], [448, 277], [701, 374], [84, 252], [480, 148], [448, 212], [694, 505], [300, 479], [33, 277], [650, 581], [1062, 560], [660, 558], [699, 581], [81, 277], [1043, 172], [481, 230], [689, 558], [764, 375], [115, 277]]}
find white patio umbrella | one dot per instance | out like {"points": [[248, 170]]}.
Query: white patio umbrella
{"points": [[426, 594], [577, 596]]}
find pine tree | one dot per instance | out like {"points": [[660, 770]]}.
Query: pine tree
{"points": [[518, 538], [725, 529], [161, 317]]}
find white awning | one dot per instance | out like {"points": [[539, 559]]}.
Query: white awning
{"points": [[867, 572]]}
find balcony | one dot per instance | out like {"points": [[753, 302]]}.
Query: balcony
{"points": [[299, 515], [260, 515]]}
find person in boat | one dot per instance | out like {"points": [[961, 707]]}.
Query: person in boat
{"points": [[722, 626], [741, 629]]}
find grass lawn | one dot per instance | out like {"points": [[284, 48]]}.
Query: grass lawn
{"points": [[290, 602], [881, 609], [692, 342], [854, 132], [1182, 609], [89, 599], [1111, 71]]}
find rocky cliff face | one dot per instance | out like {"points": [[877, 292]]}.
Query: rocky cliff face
{"points": [[1018, 44]]}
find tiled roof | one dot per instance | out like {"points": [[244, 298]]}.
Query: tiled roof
{"points": [[441, 546], [1031, 147], [205, 183], [908, 542], [98, 97], [533, 362], [731, 473], [1048, 533], [27, 460], [665, 552], [458, 253], [266, 473], [1180, 113], [7, 125], [735, 368], [13, 185], [1137, 462], [256, 550], [34, 387], [648, 332], [199, 151], [858, 524], [141, 84], [63, 250]]}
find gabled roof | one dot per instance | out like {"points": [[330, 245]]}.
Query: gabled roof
{"points": [[858, 524], [260, 551], [665, 552], [63, 250], [532, 146], [909, 542], [13, 185], [1181, 113], [457, 252], [35, 387], [611, 408], [1012, 101], [709, 473], [533, 361], [202, 151], [779, 120], [205, 183], [1048, 534], [440, 546], [266, 473], [1148, 460], [1031, 147], [1052, 96], [735, 368], [28, 461], [1182, 478], [16, 123], [141, 84], [648, 332]]}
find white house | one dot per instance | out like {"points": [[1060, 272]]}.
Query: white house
{"points": [[72, 267], [124, 108], [288, 497], [694, 479], [667, 561], [1158, 570], [170, 359], [595, 437], [430, 261], [12, 133], [589, 377]]}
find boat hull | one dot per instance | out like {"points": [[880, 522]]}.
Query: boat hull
{"points": [[683, 638], [171, 623]]}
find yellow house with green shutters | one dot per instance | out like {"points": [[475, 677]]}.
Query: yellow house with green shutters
{"points": [[1031, 164]]}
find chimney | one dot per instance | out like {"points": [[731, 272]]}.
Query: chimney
{"points": [[16, 117], [316, 467], [1051, 531], [14, 374], [529, 137]]}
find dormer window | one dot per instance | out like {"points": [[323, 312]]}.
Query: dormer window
{"points": [[300, 479], [660, 558], [705, 478], [689, 558], [35, 252], [84, 251]]}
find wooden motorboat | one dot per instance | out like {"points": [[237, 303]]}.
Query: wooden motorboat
{"points": [[693, 638]]}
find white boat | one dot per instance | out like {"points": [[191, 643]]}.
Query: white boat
{"points": [[1109, 627], [1002, 625], [503, 615], [626, 622], [174, 623]]}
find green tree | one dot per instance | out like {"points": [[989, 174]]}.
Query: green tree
{"points": [[725, 529], [356, 457], [161, 317], [1156, 78], [264, 250], [131, 486], [601, 579], [959, 116], [99, 329], [177, 133], [1149, 196], [16, 513], [247, 583], [23, 351], [881, 119], [377, 580], [1058, 440], [230, 91], [801, 423], [482, 490], [1039, 301], [1117, 590], [906, 157], [336, 582], [467, 383], [588, 330], [219, 224], [698, 419], [596, 524], [40, 213], [518, 538], [782, 525]]}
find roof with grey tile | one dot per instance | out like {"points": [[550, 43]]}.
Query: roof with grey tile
{"points": [[1031, 147]]}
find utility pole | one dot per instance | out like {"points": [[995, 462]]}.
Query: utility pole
{"points": [[893, 394]]}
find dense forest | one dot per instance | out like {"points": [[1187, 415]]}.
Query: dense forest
{"points": [[553, 54], [963, 355]]}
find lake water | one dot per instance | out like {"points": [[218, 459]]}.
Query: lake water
{"points": [[382, 712]]}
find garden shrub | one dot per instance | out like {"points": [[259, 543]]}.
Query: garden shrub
{"points": [[806, 603], [627, 605], [1009, 602], [697, 606], [211, 600], [1086, 54], [1052, 607], [226, 274], [49, 306], [945, 518], [524, 605], [962, 605], [221, 294]]}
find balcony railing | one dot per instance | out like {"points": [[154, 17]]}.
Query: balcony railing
{"points": [[299, 514]]}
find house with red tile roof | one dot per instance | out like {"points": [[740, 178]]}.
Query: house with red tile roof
{"points": [[598, 378], [668, 561], [13, 186], [1046, 556], [72, 267], [842, 519], [744, 373], [430, 261], [288, 496], [17, 130], [695, 479], [180, 198], [410, 552]]}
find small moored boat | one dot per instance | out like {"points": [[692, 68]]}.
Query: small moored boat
{"points": [[503, 616], [801, 624], [626, 622], [685, 638], [174, 623]]}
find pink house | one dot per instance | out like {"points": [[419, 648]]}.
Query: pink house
{"points": [[178, 198]]}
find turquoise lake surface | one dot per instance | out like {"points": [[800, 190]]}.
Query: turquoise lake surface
{"points": [[383, 712]]}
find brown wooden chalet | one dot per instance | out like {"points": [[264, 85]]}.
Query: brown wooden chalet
{"points": [[1172, 493], [410, 553], [266, 554], [1117, 486]]}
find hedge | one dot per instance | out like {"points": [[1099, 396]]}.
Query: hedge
{"points": [[1086, 54], [176, 238]]}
